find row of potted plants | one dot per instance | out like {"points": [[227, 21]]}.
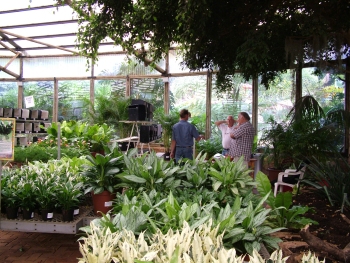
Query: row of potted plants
{"points": [[45, 187]]}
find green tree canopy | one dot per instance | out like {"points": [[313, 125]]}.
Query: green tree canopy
{"points": [[260, 38]]}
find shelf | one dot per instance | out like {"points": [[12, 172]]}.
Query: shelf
{"points": [[29, 120], [55, 225]]}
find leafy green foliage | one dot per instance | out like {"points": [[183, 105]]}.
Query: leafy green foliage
{"points": [[211, 146], [331, 178], [101, 173], [257, 43], [231, 178], [148, 172], [167, 122], [284, 213]]}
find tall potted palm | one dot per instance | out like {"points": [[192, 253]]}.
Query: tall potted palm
{"points": [[100, 178], [167, 122]]}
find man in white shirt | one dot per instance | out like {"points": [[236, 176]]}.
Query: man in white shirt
{"points": [[226, 128]]}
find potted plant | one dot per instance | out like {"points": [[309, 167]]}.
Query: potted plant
{"points": [[98, 136], [11, 201], [100, 178], [67, 196], [276, 147], [167, 122], [111, 109], [45, 196], [27, 199], [210, 146]]}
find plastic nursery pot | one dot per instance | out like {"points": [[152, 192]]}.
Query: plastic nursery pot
{"points": [[46, 214], [11, 212], [67, 214], [28, 214]]}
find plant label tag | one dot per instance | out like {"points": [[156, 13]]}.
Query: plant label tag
{"points": [[49, 215], [108, 204], [76, 212], [32, 215]]}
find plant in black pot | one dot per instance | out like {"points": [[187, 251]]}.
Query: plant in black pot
{"points": [[100, 178], [27, 199], [67, 196], [11, 200], [45, 196]]}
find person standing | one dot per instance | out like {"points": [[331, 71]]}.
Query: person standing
{"points": [[226, 128], [242, 138], [182, 137]]}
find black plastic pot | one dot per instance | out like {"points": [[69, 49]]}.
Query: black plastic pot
{"points": [[28, 214], [67, 214], [11, 212]]}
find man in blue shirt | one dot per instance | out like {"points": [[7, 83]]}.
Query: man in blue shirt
{"points": [[182, 138]]}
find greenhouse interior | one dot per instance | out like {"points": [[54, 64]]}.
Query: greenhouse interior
{"points": [[88, 143]]}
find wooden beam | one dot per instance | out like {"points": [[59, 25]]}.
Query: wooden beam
{"points": [[20, 95], [36, 41], [61, 22], [11, 60], [147, 62], [9, 72], [8, 48]]}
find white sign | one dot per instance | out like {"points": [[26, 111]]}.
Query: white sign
{"points": [[29, 100]]}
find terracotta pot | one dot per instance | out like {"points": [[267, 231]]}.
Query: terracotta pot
{"points": [[273, 174], [102, 202]]}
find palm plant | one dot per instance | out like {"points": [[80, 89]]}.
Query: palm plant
{"points": [[167, 121]]}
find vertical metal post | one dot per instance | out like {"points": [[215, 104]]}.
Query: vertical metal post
{"points": [[92, 88], [166, 87], [208, 104], [55, 101], [0, 187], [128, 87], [347, 106], [58, 141], [298, 83], [255, 104]]}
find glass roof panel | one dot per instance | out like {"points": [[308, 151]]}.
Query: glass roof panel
{"points": [[36, 19]]}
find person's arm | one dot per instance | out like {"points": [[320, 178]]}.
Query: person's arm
{"points": [[200, 137], [218, 123], [172, 148]]}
